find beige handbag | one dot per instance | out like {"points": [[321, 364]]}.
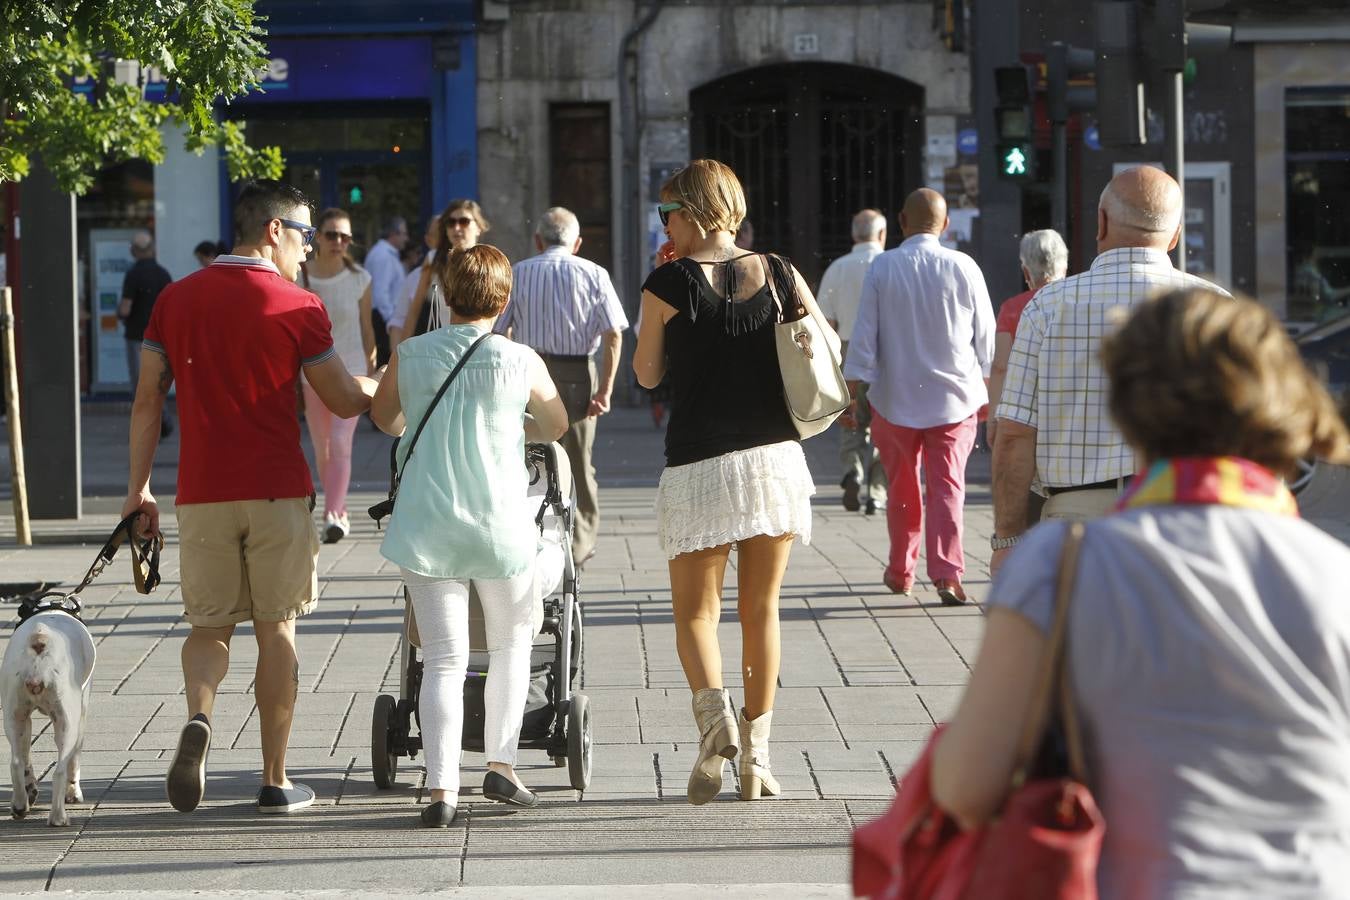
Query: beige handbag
{"points": [[810, 359]]}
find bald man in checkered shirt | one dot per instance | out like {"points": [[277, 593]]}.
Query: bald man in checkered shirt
{"points": [[1053, 415]]}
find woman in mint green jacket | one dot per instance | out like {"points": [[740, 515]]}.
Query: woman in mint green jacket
{"points": [[458, 523]]}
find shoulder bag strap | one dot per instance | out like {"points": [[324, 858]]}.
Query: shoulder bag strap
{"points": [[779, 316], [437, 399], [1052, 668]]}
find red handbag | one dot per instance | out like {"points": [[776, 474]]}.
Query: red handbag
{"points": [[1043, 846]]}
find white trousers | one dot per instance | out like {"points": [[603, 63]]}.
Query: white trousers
{"points": [[442, 609]]}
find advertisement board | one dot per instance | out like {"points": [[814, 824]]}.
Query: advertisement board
{"points": [[109, 259]]}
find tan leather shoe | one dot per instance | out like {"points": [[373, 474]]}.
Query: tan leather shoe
{"points": [[950, 592]]}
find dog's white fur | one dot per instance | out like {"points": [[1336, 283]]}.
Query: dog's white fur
{"points": [[48, 667]]}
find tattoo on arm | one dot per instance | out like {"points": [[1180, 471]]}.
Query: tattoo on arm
{"points": [[165, 378]]}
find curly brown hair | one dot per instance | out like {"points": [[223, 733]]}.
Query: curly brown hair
{"points": [[1194, 373], [476, 281]]}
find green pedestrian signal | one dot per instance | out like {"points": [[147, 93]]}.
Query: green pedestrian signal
{"points": [[1016, 161], [355, 195]]}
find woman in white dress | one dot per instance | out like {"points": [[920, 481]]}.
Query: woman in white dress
{"points": [[344, 288]]}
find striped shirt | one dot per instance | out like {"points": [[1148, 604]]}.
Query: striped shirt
{"points": [[1055, 382], [561, 304]]}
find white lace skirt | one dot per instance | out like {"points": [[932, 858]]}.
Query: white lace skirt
{"points": [[763, 490]]}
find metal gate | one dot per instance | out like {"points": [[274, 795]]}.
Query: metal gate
{"points": [[812, 143]]}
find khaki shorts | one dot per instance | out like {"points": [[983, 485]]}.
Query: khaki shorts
{"points": [[247, 560]]}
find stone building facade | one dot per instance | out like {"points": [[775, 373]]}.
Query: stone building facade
{"points": [[822, 108]]}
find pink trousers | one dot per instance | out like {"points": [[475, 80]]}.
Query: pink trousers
{"points": [[332, 439], [942, 452]]}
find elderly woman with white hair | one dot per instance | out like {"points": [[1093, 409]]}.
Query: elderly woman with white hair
{"points": [[1044, 259]]}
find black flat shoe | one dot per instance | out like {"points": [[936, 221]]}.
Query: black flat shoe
{"points": [[438, 815], [503, 790]]}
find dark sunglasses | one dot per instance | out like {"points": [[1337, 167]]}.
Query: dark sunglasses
{"points": [[337, 236], [461, 221], [665, 209], [306, 231]]}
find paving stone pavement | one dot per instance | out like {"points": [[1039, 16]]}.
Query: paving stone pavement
{"points": [[865, 676]]}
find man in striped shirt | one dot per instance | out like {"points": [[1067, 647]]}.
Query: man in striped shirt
{"points": [[1053, 415], [565, 308]]}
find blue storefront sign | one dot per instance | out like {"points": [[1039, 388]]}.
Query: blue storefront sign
{"points": [[306, 70]]}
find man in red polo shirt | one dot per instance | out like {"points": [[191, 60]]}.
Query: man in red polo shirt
{"points": [[234, 337]]}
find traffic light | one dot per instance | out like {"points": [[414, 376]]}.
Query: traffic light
{"points": [[1064, 63], [1014, 118], [1119, 74], [1015, 162]]}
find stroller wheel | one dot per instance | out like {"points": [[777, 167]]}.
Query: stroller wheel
{"points": [[579, 748], [383, 758], [578, 641]]}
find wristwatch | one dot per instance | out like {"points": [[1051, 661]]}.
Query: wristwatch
{"points": [[1003, 543]]}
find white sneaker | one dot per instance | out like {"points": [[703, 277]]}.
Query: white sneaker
{"points": [[335, 528]]}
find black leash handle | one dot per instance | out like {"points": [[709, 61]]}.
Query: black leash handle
{"points": [[144, 570]]}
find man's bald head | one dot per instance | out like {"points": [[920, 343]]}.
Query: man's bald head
{"points": [[925, 212], [143, 245], [1140, 207]]}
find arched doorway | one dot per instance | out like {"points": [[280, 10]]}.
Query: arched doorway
{"points": [[812, 143]]}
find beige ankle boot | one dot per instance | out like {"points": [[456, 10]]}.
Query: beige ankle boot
{"points": [[717, 743], [755, 774]]}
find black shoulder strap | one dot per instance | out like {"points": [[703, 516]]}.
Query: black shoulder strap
{"points": [[445, 385]]}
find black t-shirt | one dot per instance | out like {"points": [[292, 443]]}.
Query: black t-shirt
{"points": [[143, 282], [726, 390]]}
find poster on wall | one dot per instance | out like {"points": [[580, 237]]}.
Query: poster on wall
{"points": [[109, 259]]}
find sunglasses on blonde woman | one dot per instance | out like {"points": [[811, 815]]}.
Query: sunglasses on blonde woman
{"points": [[665, 209], [342, 236], [461, 221]]}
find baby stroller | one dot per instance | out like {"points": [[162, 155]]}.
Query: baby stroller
{"points": [[556, 720]]}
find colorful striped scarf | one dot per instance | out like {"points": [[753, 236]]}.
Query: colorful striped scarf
{"points": [[1226, 480]]}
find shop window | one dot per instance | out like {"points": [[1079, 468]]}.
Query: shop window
{"points": [[579, 173], [120, 203], [1317, 155], [371, 160]]}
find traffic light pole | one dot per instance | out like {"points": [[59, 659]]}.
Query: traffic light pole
{"points": [[1174, 153], [1059, 192]]}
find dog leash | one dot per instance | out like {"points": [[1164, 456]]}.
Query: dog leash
{"points": [[144, 571]]}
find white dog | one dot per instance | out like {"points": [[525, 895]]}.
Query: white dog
{"points": [[48, 667]]}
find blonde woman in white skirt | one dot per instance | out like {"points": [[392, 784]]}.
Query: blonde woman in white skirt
{"points": [[735, 476]]}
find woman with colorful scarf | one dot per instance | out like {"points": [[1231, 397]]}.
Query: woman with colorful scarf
{"points": [[1208, 647]]}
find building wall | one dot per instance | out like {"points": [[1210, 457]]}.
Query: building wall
{"points": [[544, 53], [1278, 67], [567, 50]]}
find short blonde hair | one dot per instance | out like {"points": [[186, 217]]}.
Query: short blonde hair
{"points": [[476, 281], [1194, 373], [710, 195]]}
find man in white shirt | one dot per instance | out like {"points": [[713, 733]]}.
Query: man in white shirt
{"points": [[565, 307], [840, 291], [386, 277], [408, 288], [923, 343], [1053, 415]]}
